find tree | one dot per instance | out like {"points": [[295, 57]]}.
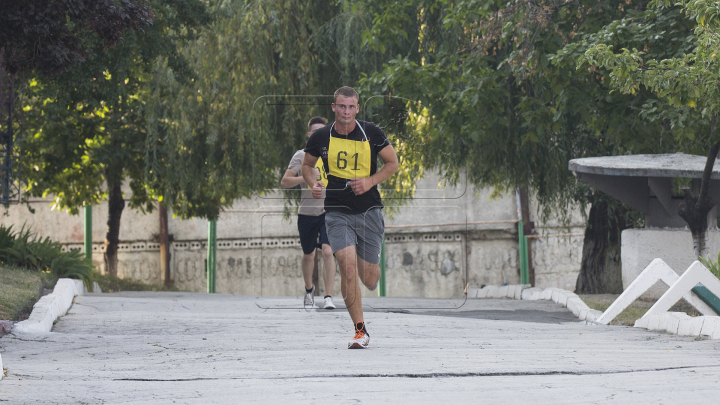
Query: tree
{"points": [[261, 71], [45, 36], [503, 101], [690, 86], [86, 126]]}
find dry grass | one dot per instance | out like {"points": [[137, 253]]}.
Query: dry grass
{"points": [[19, 291]]}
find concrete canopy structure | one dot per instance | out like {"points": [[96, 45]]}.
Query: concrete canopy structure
{"points": [[644, 182]]}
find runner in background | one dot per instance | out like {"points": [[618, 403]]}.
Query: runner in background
{"points": [[311, 223]]}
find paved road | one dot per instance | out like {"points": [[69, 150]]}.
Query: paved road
{"points": [[165, 348]]}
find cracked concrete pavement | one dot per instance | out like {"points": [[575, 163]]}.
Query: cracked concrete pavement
{"points": [[185, 348]]}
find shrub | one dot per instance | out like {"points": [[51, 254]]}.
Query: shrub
{"points": [[714, 267], [26, 249]]}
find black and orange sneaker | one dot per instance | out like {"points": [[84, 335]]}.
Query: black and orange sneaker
{"points": [[361, 340]]}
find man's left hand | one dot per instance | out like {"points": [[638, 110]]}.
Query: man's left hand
{"points": [[361, 185]]}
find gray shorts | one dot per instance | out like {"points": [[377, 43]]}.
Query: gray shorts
{"points": [[363, 230]]}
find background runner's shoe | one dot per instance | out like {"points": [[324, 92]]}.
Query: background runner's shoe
{"points": [[310, 297], [361, 340], [329, 303]]}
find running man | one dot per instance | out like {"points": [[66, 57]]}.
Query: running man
{"points": [[349, 150], [311, 223]]}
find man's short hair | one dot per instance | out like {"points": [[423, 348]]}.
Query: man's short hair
{"points": [[346, 91], [316, 120]]}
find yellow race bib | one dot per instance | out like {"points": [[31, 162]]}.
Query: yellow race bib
{"points": [[349, 159], [323, 175]]}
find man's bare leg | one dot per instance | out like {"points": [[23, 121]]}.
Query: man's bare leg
{"points": [[308, 263], [349, 284], [369, 273], [328, 269]]}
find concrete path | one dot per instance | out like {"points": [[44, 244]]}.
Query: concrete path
{"points": [[165, 348]]}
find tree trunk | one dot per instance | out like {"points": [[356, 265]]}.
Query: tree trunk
{"points": [[165, 245], [116, 204], [695, 209], [601, 270], [695, 213]]}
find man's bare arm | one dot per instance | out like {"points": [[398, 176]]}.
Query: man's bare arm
{"points": [[308, 173], [291, 179]]}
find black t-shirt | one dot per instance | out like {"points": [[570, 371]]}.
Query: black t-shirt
{"points": [[339, 195]]}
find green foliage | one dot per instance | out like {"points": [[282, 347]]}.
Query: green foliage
{"points": [[26, 249], [262, 69], [713, 266], [46, 35], [85, 128], [504, 100], [687, 83]]}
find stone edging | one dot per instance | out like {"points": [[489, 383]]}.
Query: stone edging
{"points": [[568, 299], [680, 323], [51, 306]]}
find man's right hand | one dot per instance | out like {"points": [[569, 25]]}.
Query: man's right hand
{"points": [[317, 189]]}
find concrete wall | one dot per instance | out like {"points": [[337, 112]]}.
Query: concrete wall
{"points": [[432, 247], [674, 246]]}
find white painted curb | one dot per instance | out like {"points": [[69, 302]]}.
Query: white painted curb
{"points": [[680, 323], [50, 307], [568, 299]]}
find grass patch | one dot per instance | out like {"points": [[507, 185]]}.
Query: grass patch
{"points": [[20, 289], [110, 284]]}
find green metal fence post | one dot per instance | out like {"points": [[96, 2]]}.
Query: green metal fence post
{"points": [[382, 291], [211, 255], [522, 247], [88, 232]]}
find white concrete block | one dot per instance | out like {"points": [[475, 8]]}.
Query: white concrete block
{"points": [[691, 326], [515, 289], [473, 292], [491, 291], [582, 315], [711, 327], [641, 323], [555, 296], [669, 322], [483, 292], [560, 297], [654, 322], [502, 291], [520, 289], [531, 293], [593, 315], [575, 305], [49, 308], [547, 294]]}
